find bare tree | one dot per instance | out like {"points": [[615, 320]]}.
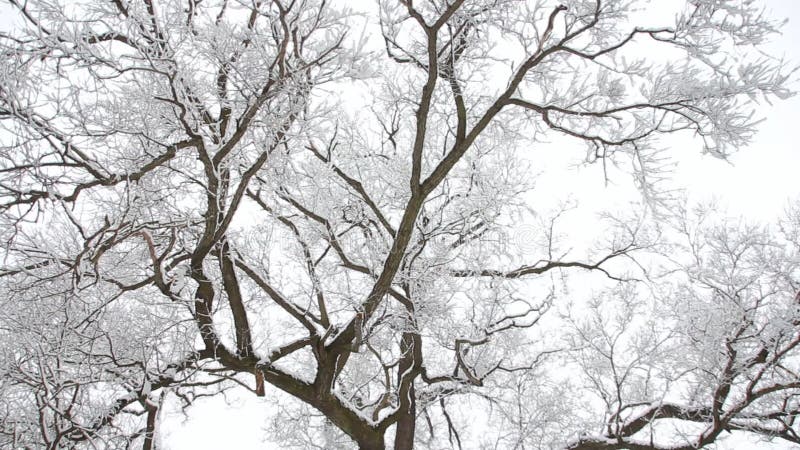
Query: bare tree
{"points": [[193, 202], [719, 351]]}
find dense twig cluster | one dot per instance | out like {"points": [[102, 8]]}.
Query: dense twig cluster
{"points": [[185, 203]]}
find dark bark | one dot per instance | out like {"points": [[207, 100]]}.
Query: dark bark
{"points": [[259, 383], [406, 373], [150, 430], [371, 443], [230, 283], [406, 424]]}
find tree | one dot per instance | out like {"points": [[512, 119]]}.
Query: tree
{"points": [[193, 202]]}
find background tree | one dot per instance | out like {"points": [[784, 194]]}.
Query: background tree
{"points": [[193, 201]]}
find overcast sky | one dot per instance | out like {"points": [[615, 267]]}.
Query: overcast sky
{"points": [[764, 175]]}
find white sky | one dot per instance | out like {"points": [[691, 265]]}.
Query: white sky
{"points": [[763, 176]]}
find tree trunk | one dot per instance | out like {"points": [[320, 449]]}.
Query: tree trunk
{"points": [[406, 425], [150, 431], [372, 442]]}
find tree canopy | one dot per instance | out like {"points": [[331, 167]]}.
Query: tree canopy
{"points": [[320, 203]]}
